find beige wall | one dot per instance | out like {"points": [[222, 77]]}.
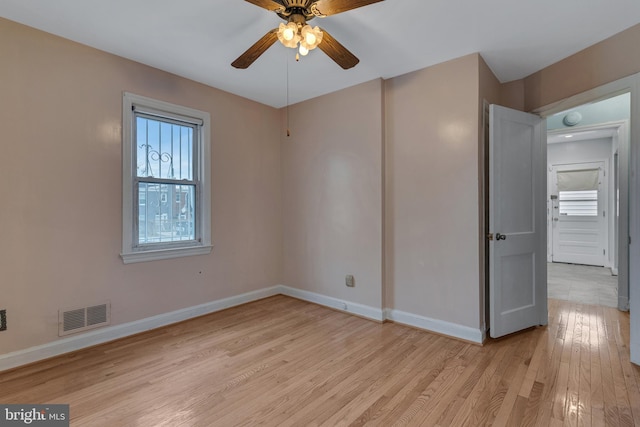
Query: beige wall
{"points": [[432, 247], [429, 122], [60, 181], [512, 95], [604, 62], [332, 192]]}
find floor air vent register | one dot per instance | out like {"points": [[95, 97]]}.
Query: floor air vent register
{"points": [[75, 320]]}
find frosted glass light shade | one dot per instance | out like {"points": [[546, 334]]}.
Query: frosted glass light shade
{"points": [[288, 34], [311, 37]]}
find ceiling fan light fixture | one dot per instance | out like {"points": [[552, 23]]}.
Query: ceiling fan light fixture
{"points": [[297, 34], [311, 36], [288, 34], [304, 39]]}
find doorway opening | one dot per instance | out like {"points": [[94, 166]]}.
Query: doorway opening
{"points": [[617, 172], [587, 203]]}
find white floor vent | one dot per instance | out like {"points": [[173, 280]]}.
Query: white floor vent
{"points": [[81, 319]]}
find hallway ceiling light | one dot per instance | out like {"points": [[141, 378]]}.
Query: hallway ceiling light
{"points": [[572, 119]]}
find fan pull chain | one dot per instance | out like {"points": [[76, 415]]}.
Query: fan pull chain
{"points": [[288, 132]]}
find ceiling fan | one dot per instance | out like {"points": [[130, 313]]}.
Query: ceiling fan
{"points": [[297, 33]]}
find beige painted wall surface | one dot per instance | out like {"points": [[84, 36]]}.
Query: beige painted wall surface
{"points": [[489, 86], [512, 95], [432, 192], [332, 192], [60, 181], [604, 62]]}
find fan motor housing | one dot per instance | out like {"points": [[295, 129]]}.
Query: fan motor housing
{"points": [[297, 8], [296, 3]]}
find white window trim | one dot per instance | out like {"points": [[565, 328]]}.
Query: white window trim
{"points": [[129, 255]]}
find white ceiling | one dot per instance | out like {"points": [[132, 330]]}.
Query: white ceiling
{"points": [[567, 135], [199, 39]]}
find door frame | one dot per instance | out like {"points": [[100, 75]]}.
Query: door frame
{"points": [[621, 139], [624, 142], [630, 246]]}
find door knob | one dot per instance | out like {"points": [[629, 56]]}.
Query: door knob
{"points": [[500, 236]]}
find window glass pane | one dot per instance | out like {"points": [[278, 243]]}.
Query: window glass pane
{"points": [[578, 203], [165, 213], [164, 149]]}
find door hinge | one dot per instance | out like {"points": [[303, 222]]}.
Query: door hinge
{"points": [[603, 252], [603, 214], [490, 236]]}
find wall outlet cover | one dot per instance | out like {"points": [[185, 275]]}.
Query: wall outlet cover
{"points": [[3, 320], [350, 281]]}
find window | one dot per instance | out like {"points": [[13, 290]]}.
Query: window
{"points": [[166, 192], [578, 192], [578, 203]]}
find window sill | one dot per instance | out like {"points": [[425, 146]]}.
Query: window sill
{"points": [[154, 255]]}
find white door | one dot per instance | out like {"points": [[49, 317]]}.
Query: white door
{"points": [[517, 221], [578, 214]]}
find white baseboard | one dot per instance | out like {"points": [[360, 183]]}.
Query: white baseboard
{"points": [[635, 354], [438, 326], [99, 336], [432, 325], [103, 335], [623, 303], [366, 311]]}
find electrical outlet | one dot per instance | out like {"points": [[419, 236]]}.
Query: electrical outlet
{"points": [[350, 281], [3, 320]]}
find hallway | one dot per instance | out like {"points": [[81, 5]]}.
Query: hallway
{"points": [[583, 284]]}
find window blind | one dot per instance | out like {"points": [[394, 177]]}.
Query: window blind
{"points": [[578, 180]]}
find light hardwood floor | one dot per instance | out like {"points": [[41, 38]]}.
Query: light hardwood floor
{"points": [[284, 362]]}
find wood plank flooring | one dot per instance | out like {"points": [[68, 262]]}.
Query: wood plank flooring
{"points": [[284, 362]]}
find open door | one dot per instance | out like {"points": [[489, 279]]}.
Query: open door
{"points": [[517, 218]]}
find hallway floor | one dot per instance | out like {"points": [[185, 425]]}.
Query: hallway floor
{"points": [[582, 283]]}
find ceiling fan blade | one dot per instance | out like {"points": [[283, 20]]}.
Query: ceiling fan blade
{"points": [[256, 50], [333, 7], [337, 52], [267, 4]]}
